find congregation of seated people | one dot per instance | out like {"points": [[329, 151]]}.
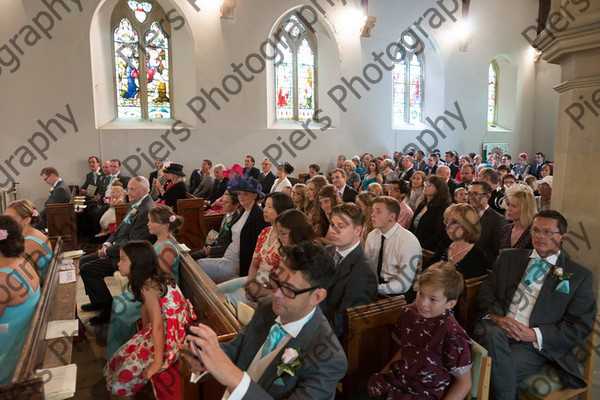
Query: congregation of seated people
{"points": [[411, 224]]}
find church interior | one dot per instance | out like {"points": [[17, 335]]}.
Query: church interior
{"points": [[356, 77]]}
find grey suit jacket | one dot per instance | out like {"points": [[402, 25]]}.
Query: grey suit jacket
{"points": [[354, 284], [322, 360], [136, 230], [563, 319], [491, 227]]}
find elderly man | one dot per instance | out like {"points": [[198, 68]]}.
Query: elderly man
{"points": [[219, 185], [444, 172], [94, 267], [266, 178], [534, 307], [59, 192]]}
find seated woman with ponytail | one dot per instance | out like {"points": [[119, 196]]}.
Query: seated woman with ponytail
{"points": [[125, 311], [37, 245]]}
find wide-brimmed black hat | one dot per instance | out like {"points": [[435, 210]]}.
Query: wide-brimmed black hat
{"points": [[244, 184], [175, 169]]}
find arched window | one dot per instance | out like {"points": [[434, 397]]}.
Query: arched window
{"points": [[492, 115], [140, 37], [295, 76], [408, 90]]}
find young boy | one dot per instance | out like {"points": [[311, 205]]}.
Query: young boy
{"points": [[434, 360]]}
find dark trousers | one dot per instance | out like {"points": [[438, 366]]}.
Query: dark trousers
{"points": [[512, 361], [93, 270]]}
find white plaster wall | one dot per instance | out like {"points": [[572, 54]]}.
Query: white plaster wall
{"points": [[57, 72]]}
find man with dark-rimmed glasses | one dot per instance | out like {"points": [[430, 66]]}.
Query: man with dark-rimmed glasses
{"points": [[288, 331]]}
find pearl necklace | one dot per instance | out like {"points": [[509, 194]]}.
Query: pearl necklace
{"points": [[451, 258]]}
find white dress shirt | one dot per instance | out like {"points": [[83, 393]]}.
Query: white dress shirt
{"points": [[401, 258], [525, 297]]}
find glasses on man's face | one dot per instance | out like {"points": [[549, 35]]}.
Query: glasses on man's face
{"points": [[287, 291], [474, 194], [544, 232], [45, 178]]}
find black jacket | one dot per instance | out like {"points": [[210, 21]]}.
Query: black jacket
{"points": [[252, 228]]}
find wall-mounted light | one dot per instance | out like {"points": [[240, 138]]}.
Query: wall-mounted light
{"points": [[464, 32], [365, 30], [350, 22], [228, 8]]}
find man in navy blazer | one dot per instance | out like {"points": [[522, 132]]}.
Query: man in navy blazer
{"points": [[347, 193], [59, 191], [355, 279], [94, 267], [250, 171], [288, 329], [534, 307]]}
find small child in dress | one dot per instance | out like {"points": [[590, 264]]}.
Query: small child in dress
{"points": [[434, 360], [164, 314], [117, 196]]}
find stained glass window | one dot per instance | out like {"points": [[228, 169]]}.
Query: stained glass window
{"points": [[141, 48], [407, 89], [127, 71], [492, 93], [295, 94], [157, 65]]}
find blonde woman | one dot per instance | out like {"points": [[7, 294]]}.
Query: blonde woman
{"points": [[365, 202], [376, 189], [37, 245], [415, 195], [117, 196], [313, 187], [299, 197], [520, 209]]}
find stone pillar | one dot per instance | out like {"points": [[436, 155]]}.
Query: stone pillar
{"points": [[572, 40]]}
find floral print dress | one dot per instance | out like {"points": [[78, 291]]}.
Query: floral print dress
{"points": [[124, 370]]}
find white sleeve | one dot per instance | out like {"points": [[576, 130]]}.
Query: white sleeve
{"points": [[240, 390]]}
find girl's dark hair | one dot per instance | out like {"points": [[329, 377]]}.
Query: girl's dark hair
{"points": [[162, 214], [281, 201], [297, 222], [14, 244], [442, 195], [145, 269]]}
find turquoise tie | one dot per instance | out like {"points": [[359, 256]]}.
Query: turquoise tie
{"points": [[535, 271], [275, 335]]}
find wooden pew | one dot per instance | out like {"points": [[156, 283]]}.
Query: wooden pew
{"points": [[57, 302], [367, 341], [62, 221], [293, 181], [468, 301], [193, 231], [120, 212], [209, 306]]}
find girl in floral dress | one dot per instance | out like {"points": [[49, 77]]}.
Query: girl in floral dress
{"points": [[434, 360], [164, 313]]}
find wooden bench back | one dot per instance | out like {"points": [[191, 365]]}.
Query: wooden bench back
{"points": [[293, 181], [209, 306], [193, 231], [367, 340], [468, 301], [120, 212], [62, 221]]}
